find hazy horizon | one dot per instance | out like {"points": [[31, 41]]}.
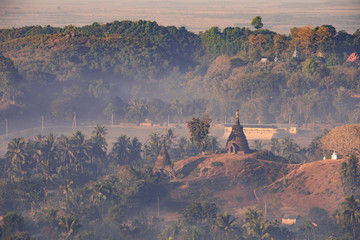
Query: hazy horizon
{"points": [[279, 15]]}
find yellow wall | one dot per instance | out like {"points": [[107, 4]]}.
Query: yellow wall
{"points": [[288, 221], [254, 133]]}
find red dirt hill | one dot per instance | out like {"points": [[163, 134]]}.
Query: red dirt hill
{"points": [[237, 182]]}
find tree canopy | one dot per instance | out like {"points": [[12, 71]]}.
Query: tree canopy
{"points": [[257, 22]]}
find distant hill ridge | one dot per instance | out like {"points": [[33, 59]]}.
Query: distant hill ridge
{"points": [[50, 71]]}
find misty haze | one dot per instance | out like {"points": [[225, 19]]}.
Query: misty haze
{"points": [[179, 120]]}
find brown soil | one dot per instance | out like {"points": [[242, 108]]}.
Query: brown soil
{"points": [[238, 182], [310, 185]]}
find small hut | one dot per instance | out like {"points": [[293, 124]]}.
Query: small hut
{"points": [[237, 142]]}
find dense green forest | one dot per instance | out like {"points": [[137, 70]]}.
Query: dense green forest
{"points": [[140, 70]]}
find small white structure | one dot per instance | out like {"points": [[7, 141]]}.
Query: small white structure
{"points": [[264, 60], [334, 156], [295, 54], [324, 158]]}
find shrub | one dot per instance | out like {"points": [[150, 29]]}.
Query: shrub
{"points": [[217, 164]]}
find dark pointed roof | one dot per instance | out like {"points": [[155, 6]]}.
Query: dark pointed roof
{"points": [[163, 159], [237, 137]]}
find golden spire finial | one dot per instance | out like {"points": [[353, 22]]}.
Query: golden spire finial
{"points": [[237, 121]]}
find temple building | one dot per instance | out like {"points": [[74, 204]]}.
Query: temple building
{"points": [[237, 142], [163, 160]]}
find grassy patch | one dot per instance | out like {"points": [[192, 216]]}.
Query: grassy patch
{"points": [[217, 164], [195, 172], [205, 170]]}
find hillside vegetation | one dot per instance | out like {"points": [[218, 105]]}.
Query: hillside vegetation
{"points": [[344, 140], [76, 187], [140, 70]]}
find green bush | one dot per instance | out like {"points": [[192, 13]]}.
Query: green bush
{"points": [[217, 164]]}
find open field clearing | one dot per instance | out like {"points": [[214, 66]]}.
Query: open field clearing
{"points": [[195, 16]]}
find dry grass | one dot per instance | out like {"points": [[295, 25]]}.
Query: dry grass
{"points": [[256, 181]]}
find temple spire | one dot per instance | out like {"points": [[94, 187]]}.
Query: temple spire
{"points": [[163, 159], [237, 121], [237, 142]]}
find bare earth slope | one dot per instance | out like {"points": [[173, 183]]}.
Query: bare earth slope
{"points": [[237, 182], [310, 185]]}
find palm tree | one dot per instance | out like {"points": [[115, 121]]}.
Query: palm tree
{"points": [[81, 150], [101, 192], [169, 136], [48, 160], [16, 154], [153, 145], [258, 145], [33, 149], [121, 149], [75, 205], [97, 152], [291, 151], [275, 145], [213, 143], [288, 146], [138, 109], [135, 150], [98, 146], [252, 214], [67, 154], [255, 226], [350, 215], [49, 157], [225, 223], [70, 225], [100, 131]]}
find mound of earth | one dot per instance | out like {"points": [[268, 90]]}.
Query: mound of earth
{"points": [[252, 169], [344, 140], [226, 179], [315, 184], [241, 181]]}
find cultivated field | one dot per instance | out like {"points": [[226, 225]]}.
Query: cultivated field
{"points": [[279, 15]]}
